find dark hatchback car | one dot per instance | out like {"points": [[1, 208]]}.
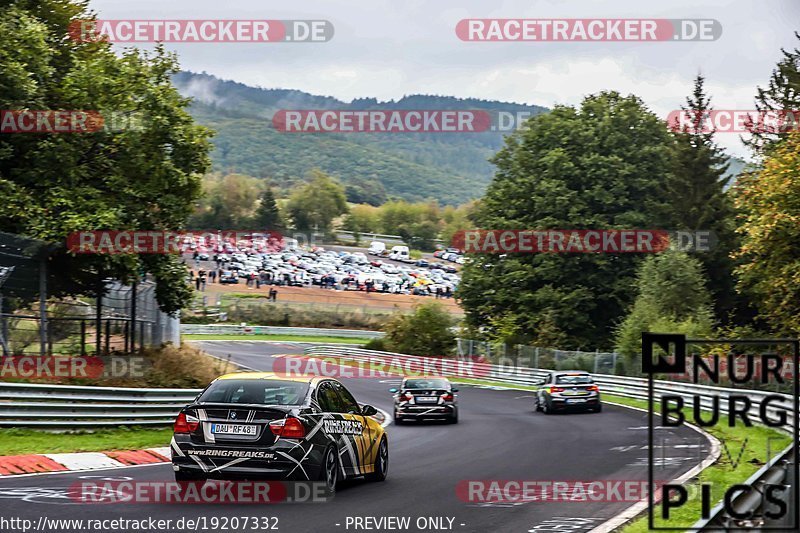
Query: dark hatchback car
{"points": [[569, 389], [425, 399]]}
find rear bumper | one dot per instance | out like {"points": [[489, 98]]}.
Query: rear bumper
{"points": [[284, 460], [426, 411], [563, 403]]}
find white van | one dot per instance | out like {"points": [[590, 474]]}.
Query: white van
{"points": [[376, 248], [399, 253]]}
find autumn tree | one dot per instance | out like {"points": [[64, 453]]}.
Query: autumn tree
{"points": [[769, 200]]}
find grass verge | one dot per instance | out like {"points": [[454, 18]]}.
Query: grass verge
{"points": [[277, 338], [23, 441]]}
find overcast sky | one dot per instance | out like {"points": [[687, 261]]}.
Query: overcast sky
{"points": [[388, 49]]}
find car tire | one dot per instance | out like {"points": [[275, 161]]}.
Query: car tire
{"points": [[537, 406], [329, 472], [398, 420], [547, 408], [381, 463], [453, 419], [599, 408]]}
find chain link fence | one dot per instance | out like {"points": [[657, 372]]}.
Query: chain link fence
{"points": [[520, 355], [120, 319]]}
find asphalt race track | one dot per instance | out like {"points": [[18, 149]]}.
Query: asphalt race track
{"points": [[499, 436]]}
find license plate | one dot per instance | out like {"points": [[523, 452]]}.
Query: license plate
{"points": [[426, 399], [575, 400], [234, 429]]}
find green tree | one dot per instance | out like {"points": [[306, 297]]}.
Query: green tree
{"points": [[228, 202], [672, 298], [769, 201], [361, 219], [696, 197], [143, 177], [316, 204], [268, 216], [598, 166], [426, 331], [363, 191], [782, 93]]}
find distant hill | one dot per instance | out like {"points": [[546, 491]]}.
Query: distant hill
{"points": [[449, 167]]}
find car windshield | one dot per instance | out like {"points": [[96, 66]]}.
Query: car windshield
{"points": [[256, 391], [573, 379], [427, 384]]}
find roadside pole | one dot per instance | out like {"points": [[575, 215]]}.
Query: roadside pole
{"points": [[43, 325]]}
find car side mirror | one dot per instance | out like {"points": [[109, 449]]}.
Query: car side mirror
{"points": [[454, 389], [368, 410], [393, 390]]}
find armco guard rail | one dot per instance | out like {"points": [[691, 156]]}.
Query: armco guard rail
{"points": [[68, 406], [629, 387], [230, 329]]}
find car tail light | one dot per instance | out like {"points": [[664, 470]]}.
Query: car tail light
{"points": [[408, 396], [288, 428], [556, 389], [592, 387], [447, 396], [185, 424]]}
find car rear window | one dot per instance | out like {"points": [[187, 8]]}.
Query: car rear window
{"points": [[427, 384], [256, 391], [577, 379]]}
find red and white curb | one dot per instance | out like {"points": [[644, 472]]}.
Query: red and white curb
{"points": [[14, 465]]}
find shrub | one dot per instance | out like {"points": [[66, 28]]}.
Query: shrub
{"points": [[426, 331]]}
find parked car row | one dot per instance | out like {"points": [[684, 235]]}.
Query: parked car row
{"points": [[453, 255], [332, 269]]}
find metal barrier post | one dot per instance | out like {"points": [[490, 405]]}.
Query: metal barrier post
{"points": [[108, 336], [132, 346], [43, 306]]}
